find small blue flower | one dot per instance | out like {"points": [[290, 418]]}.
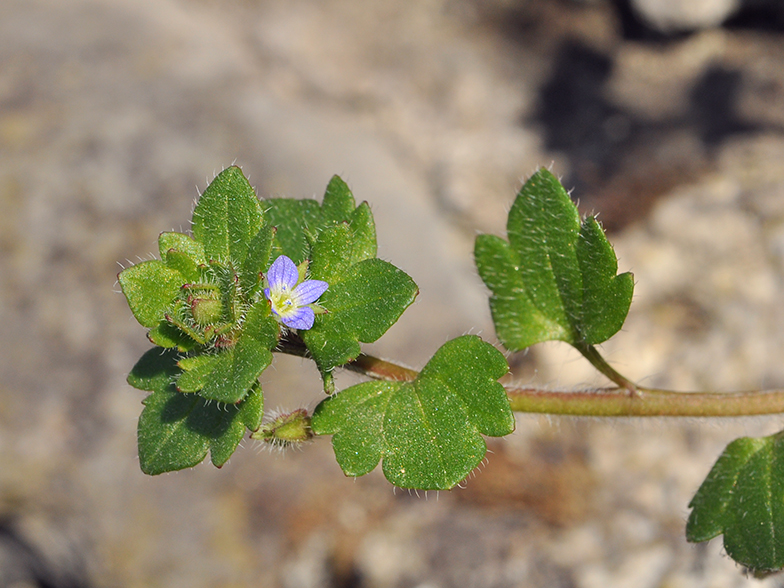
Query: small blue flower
{"points": [[291, 296]]}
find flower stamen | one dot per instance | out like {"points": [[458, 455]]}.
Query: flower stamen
{"points": [[292, 298]]}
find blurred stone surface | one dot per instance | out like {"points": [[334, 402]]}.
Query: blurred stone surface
{"points": [[114, 113], [670, 16]]}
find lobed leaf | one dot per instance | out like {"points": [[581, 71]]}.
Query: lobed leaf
{"points": [[340, 207], [183, 263], [606, 296], [257, 260], [338, 203], [227, 216], [231, 374], [195, 371], [176, 430], [363, 300], [169, 336], [743, 498], [296, 223], [555, 278], [428, 432], [366, 295], [170, 241], [150, 288], [155, 370]]}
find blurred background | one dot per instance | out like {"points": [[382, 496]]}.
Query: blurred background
{"points": [[665, 117]]}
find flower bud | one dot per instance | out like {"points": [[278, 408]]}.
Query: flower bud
{"points": [[286, 429], [206, 311]]}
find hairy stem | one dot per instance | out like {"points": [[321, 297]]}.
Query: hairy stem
{"points": [[367, 365], [381, 369], [592, 355], [608, 402], [646, 402], [625, 400]]}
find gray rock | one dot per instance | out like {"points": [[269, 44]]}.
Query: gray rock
{"points": [[670, 16]]}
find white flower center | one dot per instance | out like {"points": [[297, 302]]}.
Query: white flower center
{"points": [[283, 301]]}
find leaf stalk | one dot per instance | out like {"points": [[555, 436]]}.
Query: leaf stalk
{"points": [[597, 402], [594, 357]]}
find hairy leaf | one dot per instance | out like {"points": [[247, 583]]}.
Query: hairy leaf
{"points": [[167, 335], [555, 278], [296, 223], [183, 244], [366, 295], [363, 300], [234, 370], [256, 261], [150, 288], [155, 370], [743, 498], [176, 430], [428, 433], [227, 216]]}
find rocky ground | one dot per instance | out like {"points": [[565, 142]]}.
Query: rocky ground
{"points": [[114, 113]]}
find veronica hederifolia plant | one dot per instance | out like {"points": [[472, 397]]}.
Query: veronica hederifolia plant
{"points": [[257, 277], [220, 301]]}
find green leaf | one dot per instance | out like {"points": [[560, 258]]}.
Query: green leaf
{"points": [[427, 432], [227, 217], [167, 335], [555, 278], [300, 222], [182, 243], [363, 300], [237, 368], [183, 263], [606, 296], [176, 430], [150, 288], [297, 223], [195, 371], [363, 230], [257, 260], [365, 296], [155, 370], [518, 323], [338, 204], [743, 497], [336, 250]]}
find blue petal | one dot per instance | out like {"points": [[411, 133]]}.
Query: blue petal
{"points": [[309, 291], [301, 319], [282, 274]]}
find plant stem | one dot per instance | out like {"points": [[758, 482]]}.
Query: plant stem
{"points": [[608, 402], [598, 402], [381, 369], [592, 355], [617, 402], [373, 367]]}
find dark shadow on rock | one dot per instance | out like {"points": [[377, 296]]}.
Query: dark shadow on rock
{"points": [[350, 578], [575, 115], [25, 564], [633, 28], [621, 162], [759, 15], [714, 107]]}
